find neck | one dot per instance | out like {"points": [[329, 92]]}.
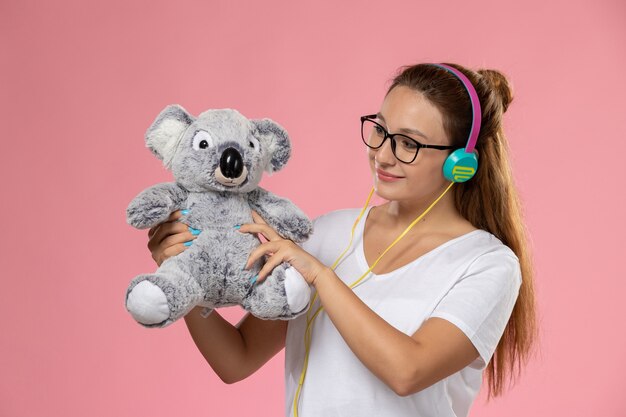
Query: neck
{"points": [[400, 213]]}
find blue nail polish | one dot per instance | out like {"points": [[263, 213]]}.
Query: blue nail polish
{"points": [[185, 212], [188, 243], [253, 279], [193, 231], [237, 226]]}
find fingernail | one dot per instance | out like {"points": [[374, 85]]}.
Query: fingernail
{"points": [[188, 243], [194, 231], [253, 279], [237, 226], [185, 212]]}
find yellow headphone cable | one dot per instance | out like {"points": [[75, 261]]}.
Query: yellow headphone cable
{"points": [[310, 320]]}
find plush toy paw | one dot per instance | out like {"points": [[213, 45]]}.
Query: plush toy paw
{"points": [[147, 303], [145, 217], [297, 290]]}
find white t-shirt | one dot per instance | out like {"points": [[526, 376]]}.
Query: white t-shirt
{"points": [[471, 281]]}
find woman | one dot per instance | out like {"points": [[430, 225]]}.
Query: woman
{"points": [[452, 297]]}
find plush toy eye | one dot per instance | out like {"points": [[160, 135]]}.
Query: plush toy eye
{"points": [[253, 143], [202, 140]]}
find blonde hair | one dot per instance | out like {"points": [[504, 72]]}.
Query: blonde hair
{"points": [[489, 200]]}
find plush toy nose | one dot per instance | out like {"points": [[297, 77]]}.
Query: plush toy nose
{"points": [[231, 163]]}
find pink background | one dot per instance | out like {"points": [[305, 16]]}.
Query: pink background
{"points": [[81, 81]]}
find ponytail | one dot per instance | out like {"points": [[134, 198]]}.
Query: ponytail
{"points": [[489, 200]]}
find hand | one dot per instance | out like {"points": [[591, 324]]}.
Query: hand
{"points": [[280, 250], [168, 239]]}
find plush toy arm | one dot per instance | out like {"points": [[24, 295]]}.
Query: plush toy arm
{"points": [[154, 205], [284, 216]]}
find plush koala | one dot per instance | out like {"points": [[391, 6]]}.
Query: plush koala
{"points": [[217, 161]]}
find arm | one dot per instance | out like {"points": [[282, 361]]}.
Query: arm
{"points": [[407, 364], [154, 205], [235, 353], [281, 214], [478, 306]]}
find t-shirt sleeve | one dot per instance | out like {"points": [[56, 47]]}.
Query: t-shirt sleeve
{"points": [[481, 302], [323, 226]]}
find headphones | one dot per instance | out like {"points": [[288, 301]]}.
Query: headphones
{"points": [[461, 165]]}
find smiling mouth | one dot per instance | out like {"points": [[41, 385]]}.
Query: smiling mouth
{"points": [[385, 175]]}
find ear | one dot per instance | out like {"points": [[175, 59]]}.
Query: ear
{"points": [[275, 139], [163, 136]]}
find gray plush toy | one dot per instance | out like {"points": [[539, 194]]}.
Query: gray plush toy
{"points": [[217, 161]]}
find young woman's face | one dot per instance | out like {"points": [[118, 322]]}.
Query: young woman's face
{"points": [[406, 111]]}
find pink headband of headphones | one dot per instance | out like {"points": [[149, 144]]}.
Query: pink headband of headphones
{"points": [[476, 110]]}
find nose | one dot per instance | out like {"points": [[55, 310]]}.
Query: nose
{"points": [[384, 154], [231, 163]]}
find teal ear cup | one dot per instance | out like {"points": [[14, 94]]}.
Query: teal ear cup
{"points": [[460, 166]]}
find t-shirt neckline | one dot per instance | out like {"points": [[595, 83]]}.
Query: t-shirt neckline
{"points": [[361, 250]]}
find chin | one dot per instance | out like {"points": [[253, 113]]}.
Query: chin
{"points": [[385, 191], [406, 192]]}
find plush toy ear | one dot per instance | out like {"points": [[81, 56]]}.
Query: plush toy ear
{"points": [[275, 139], [166, 131]]}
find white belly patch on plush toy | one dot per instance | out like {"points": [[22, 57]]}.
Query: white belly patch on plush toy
{"points": [[217, 161]]}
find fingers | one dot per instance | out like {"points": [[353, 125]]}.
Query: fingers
{"points": [[170, 246], [269, 266], [182, 236], [257, 218], [166, 231], [268, 249], [174, 216], [160, 257], [170, 238], [278, 251], [261, 228], [152, 230]]}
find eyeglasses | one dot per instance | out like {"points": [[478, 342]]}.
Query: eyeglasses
{"points": [[404, 148]]}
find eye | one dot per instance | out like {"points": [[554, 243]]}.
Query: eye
{"points": [[202, 140], [407, 143], [379, 130], [253, 143]]}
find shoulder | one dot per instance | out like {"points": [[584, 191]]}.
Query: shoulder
{"points": [[479, 252], [480, 242], [487, 254]]}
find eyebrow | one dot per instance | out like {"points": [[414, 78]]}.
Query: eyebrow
{"points": [[404, 129]]}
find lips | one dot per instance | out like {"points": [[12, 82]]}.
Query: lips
{"points": [[386, 175]]}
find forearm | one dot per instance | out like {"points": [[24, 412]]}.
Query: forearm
{"points": [[384, 350], [221, 344]]}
